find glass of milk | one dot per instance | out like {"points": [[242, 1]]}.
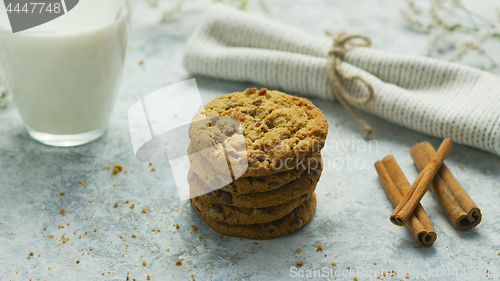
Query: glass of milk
{"points": [[64, 75]]}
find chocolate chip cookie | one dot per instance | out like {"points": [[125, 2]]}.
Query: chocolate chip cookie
{"points": [[216, 179], [276, 128], [281, 227], [241, 216], [306, 183]]}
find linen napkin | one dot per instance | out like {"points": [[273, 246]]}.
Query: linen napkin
{"points": [[436, 97]]}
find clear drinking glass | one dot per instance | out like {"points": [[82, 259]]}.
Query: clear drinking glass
{"points": [[64, 75]]}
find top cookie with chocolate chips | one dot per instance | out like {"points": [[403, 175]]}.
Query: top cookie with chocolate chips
{"points": [[259, 132]]}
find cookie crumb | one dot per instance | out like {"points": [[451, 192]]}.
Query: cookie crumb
{"points": [[176, 225], [300, 263], [116, 204], [144, 263], [132, 205], [144, 210], [77, 262], [178, 262], [62, 211], [133, 236], [334, 263], [64, 239], [148, 277], [298, 250], [416, 246], [117, 168], [50, 236], [375, 262], [194, 227], [253, 242], [319, 247], [251, 90], [126, 201], [62, 193], [153, 169]]}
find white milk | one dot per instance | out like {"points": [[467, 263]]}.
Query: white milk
{"points": [[64, 75]]}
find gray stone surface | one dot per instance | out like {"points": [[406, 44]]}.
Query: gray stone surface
{"points": [[351, 220]]}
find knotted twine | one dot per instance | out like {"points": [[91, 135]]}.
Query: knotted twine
{"points": [[336, 75]]}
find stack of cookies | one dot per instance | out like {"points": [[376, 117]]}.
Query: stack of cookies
{"points": [[255, 162]]}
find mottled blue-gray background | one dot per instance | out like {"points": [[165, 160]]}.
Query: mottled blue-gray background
{"points": [[351, 220]]}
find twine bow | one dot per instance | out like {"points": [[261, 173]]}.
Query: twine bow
{"points": [[336, 75]]}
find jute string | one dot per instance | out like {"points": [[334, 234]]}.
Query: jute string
{"points": [[336, 75]]}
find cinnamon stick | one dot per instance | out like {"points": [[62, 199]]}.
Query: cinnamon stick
{"points": [[459, 207], [412, 198], [396, 185]]}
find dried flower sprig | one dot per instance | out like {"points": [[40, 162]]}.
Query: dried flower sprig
{"points": [[3, 96], [447, 19], [171, 14]]}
